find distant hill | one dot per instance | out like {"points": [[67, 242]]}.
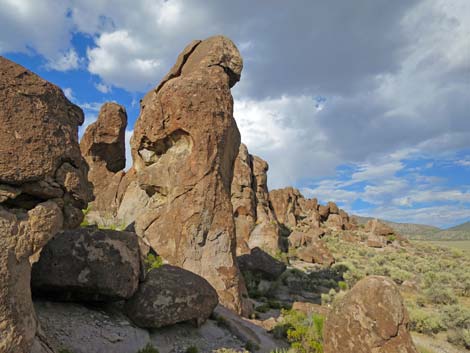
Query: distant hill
{"points": [[425, 232]]}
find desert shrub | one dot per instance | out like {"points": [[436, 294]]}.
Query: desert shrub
{"points": [[425, 322], [228, 350], [252, 281], [149, 348], [152, 262], [342, 285], [459, 337], [304, 333], [456, 316], [192, 349], [251, 346], [264, 308], [440, 295]]}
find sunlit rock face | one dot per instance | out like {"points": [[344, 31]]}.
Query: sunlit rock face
{"points": [[43, 187]]}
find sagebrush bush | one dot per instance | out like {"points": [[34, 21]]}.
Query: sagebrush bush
{"points": [[304, 333], [425, 322], [440, 295]]}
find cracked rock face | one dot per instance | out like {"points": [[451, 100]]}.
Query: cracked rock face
{"points": [[371, 318], [76, 266], [184, 146], [43, 187]]}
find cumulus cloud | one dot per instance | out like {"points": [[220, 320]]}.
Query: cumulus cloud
{"points": [[367, 85], [65, 61]]}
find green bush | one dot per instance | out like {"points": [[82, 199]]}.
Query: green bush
{"points": [[251, 346], [264, 308], [152, 262], [304, 333], [192, 349], [440, 295], [425, 322], [149, 348]]}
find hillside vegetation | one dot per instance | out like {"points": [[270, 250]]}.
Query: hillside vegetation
{"points": [[425, 232]]}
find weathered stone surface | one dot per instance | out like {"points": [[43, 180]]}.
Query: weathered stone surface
{"points": [[335, 221], [333, 208], [266, 233], [243, 199], [103, 147], [184, 146], [82, 330], [378, 228], [259, 261], [298, 239], [88, 264], [310, 308], [370, 318], [43, 188], [21, 235], [324, 212], [375, 241], [285, 203], [316, 252], [170, 295]]}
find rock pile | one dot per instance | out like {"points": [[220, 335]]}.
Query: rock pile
{"points": [[43, 187]]}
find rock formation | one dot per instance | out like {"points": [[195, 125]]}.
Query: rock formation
{"points": [[103, 147], [184, 146], [43, 187], [316, 252], [243, 199], [266, 232], [370, 318], [170, 295], [257, 261], [88, 264], [255, 222]]}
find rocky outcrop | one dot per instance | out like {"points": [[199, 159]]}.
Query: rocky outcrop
{"points": [[297, 239], [103, 147], [88, 264], [80, 329], [266, 233], [258, 261], [243, 199], [170, 295], [317, 253], [184, 146], [43, 187], [285, 203], [370, 318]]}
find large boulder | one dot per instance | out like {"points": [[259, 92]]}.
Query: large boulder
{"points": [[379, 229], [317, 253], [370, 318], [44, 187], [258, 261], [170, 295], [243, 199], [297, 239], [88, 264], [70, 327], [184, 146]]}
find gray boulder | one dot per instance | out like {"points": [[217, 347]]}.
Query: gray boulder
{"points": [[88, 264], [170, 295], [258, 261]]}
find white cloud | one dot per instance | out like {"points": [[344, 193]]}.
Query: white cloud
{"points": [[65, 61], [102, 87], [128, 149], [69, 94], [122, 60]]}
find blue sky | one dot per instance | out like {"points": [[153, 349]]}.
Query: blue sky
{"points": [[366, 103]]}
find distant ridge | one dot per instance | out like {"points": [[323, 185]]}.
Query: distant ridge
{"points": [[425, 232]]}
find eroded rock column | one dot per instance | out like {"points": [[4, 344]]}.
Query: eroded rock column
{"points": [[184, 146]]}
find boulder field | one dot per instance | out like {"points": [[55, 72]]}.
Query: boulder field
{"points": [[78, 231]]}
